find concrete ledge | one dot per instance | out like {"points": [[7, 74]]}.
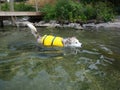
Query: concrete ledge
{"points": [[20, 14]]}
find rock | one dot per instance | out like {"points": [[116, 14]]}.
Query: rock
{"points": [[114, 25], [89, 26], [53, 22], [72, 25], [91, 21], [41, 22], [79, 28], [109, 25], [7, 22]]}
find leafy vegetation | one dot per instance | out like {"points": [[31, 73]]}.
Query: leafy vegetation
{"points": [[23, 7], [18, 7], [63, 10], [104, 12], [70, 10], [74, 11], [115, 3], [5, 7]]}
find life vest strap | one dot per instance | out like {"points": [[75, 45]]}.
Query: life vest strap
{"points": [[44, 39], [49, 40], [53, 40]]}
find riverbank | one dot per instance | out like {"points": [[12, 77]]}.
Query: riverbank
{"points": [[92, 25], [88, 26]]}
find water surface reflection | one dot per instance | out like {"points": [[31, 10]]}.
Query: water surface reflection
{"points": [[26, 66]]}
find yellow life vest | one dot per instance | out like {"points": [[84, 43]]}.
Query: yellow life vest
{"points": [[49, 40]]}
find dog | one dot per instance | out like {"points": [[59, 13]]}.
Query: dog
{"points": [[54, 41]]}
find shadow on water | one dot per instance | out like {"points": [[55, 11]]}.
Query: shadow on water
{"points": [[26, 66]]}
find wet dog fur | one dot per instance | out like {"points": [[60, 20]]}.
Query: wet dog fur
{"points": [[67, 42]]}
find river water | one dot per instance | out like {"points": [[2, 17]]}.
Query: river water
{"points": [[24, 65]]}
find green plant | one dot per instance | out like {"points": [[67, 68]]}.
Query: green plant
{"points": [[23, 7], [18, 7], [74, 11], [64, 10], [104, 12], [90, 11], [5, 7], [49, 11]]}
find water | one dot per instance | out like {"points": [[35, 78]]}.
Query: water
{"points": [[26, 66]]}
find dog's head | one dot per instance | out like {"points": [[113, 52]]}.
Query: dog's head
{"points": [[72, 42]]}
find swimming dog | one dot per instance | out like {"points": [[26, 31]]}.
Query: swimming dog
{"points": [[50, 40]]}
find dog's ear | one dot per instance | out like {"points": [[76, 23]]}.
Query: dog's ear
{"points": [[67, 41]]}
